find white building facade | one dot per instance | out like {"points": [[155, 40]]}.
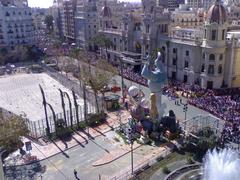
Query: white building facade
{"points": [[16, 25]]}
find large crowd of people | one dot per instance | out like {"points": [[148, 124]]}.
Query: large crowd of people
{"points": [[130, 75], [224, 104]]}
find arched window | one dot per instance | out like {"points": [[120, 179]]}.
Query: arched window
{"points": [[220, 69], [212, 57]]}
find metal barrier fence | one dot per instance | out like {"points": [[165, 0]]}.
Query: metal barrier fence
{"points": [[199, 122], [38, 128]]}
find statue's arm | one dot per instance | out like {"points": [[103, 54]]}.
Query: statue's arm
{"points": [[145, 71]]}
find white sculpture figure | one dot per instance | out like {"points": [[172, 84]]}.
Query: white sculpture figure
{"points": [[157, 77]]}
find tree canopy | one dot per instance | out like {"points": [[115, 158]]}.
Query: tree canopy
{"points": [[49, 22], [11, 130]]}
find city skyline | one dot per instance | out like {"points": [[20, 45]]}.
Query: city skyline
{"points": [[48, 3]]}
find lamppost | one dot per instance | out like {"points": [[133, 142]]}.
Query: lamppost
{"points": [[76, 106], [63, 106], [63, 93], [122, 79], [185, 109], [53, 113], [70, 107], [130, 138], [1, 164], [45, 110]]}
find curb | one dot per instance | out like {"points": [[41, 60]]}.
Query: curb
{"points": [[116, 157]]}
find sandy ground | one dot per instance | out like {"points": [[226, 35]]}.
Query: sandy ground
{"points": [[21, 94]]}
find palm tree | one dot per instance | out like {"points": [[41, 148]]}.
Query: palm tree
{"points": [[57, 45], [103, 42]]}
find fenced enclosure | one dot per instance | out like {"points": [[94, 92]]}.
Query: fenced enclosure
{"points": [[38, 128], [21, 96], [200, 122]]}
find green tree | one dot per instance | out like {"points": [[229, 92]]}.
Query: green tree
{"points": [[99, 78], [102, 41], [11, 130], [49, 22], [81, 55]]}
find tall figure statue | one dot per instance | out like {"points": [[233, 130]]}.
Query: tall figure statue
{"points": [[157, 77]]}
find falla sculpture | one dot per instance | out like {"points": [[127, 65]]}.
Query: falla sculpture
{"points": [[156, 75]]}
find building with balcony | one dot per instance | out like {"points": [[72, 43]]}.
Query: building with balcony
{"points": [[198, 46], [16, 25], [68, 19]]}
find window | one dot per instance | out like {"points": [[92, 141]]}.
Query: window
{"points": [[211, 57], [147, 29], [203, 68], [187, 53], [163, 49], [211, 69], [203, 55], [214, 35], [186, 64], [223, 34], [220, 69], [205, 33], [185, 78], [174, 50], [221, 57], [174, 61], [147, 46]]}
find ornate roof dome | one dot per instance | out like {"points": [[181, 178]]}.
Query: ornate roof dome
{"points": [[217, 13], [106, 11]]}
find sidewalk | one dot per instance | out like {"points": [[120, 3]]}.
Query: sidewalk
{"points": [[41, 152]]}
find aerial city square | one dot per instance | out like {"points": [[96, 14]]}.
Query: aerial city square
{"points": [[120, 89]]}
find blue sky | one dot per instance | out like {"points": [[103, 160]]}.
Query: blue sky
{"points": [[47, 3]]}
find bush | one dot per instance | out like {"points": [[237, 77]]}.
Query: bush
{"points": [[165, 170], [61, 130], [190, 161], [96, 119]]}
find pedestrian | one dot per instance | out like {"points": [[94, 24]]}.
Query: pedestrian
{"points": [[75, 173]]}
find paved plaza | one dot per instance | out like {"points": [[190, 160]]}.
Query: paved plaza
{"points": [[21, 94]]}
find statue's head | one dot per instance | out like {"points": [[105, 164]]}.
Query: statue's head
{"points": [[158, 61]]}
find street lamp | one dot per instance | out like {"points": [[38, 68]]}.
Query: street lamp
{"points": [[63, 93], [76, 106], [185, 109], [70, 107], [53, 113], [45, 110], [63, 106], [130, 138], [121, 67]]}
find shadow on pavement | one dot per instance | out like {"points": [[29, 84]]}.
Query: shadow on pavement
{"points": [[24, 172], [101, 147], [88, 135], [66, 155], [76, 132], [78, 142], [98, 131]]}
